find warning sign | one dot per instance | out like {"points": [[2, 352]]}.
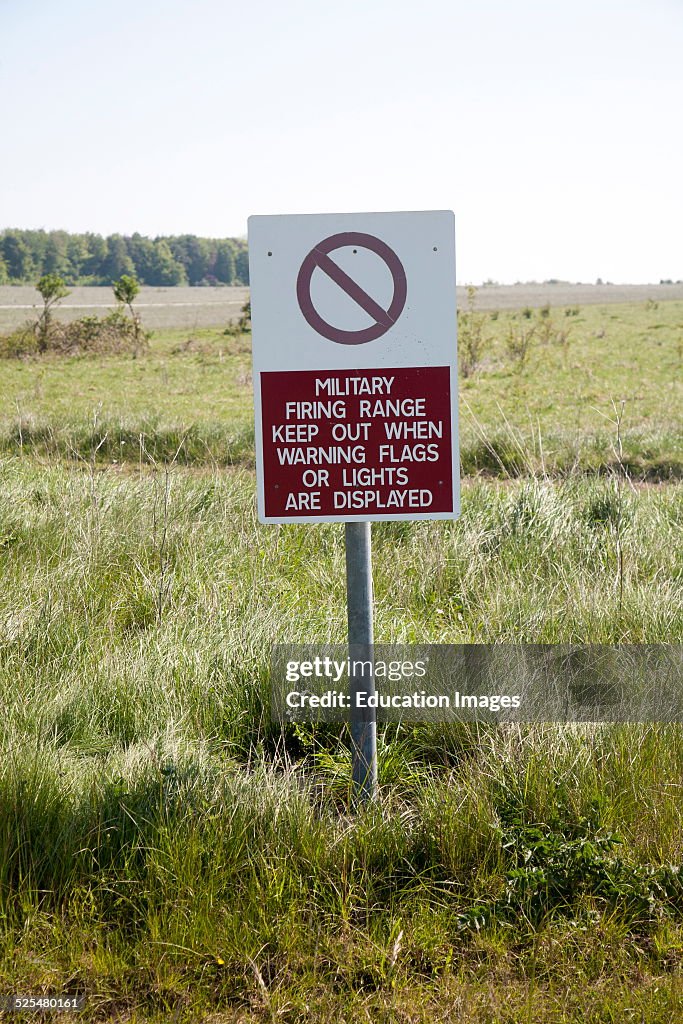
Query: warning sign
{"points": [[355, 383]]}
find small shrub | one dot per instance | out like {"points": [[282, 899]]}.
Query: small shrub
{"points": [[243, 324], [52, 290], [113, 333], [527, 312], [21, 343], [472, 339], [544, 311], [562, 338], [125, 291], [109, 335], [546, 330], [552, 870], [518, 343]]}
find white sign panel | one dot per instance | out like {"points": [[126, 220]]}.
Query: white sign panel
{"points": [[355, 366]]}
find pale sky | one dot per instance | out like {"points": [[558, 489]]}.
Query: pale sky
{"points": [[553, 128]]}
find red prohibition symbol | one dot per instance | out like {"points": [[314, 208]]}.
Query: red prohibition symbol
{"points": [[319, 257]]}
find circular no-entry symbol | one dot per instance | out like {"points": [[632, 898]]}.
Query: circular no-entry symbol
{"points": [[319, 257]]}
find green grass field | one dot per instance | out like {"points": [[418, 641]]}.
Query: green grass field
{"points": [[172, 854]]}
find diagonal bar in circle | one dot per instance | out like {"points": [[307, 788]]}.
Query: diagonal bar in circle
{"points": [[352, 289], [317, 259]]}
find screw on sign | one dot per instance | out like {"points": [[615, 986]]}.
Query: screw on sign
{"points": [[319, 257]]}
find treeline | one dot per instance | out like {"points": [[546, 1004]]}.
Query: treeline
{"points": [[26, 256]]}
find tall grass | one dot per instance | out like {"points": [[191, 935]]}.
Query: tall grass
{"points": [[505, 453], [161, 840], [167, 849]]}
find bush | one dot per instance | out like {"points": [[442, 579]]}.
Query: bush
{"points": [[472, 340], [52, 290], [112, 334], [552, 870], [243, 325], [20, 343], [518, 343], [115, 333]]}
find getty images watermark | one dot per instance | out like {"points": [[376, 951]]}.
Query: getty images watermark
{"points": [[480, 682]]}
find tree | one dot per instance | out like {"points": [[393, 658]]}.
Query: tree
{"points": [[52, 289], [54, 260], [4, 276], [17, 256], [98, 251], [195, 255], [118, 262], [164, 270], [141, 251], [36, 243], [91, 259], [77, 256], [242, 266], [224, 267], [125, 291]]}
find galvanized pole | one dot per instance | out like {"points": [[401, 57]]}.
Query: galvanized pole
{"points": [[359, 603]]}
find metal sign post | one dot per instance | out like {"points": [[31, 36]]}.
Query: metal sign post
{"points": [[359, 603]]}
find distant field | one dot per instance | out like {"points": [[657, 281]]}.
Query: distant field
{"points": [[189, 308], [210, 307], [516, 296], [555, 412]]}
